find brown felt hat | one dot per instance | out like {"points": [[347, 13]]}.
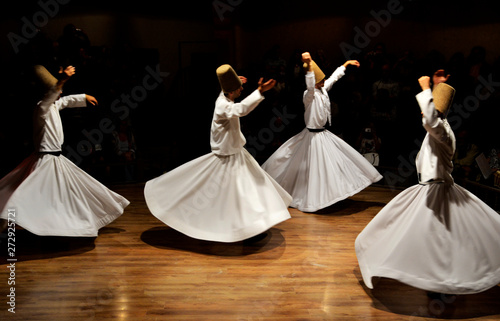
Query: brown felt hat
{"points": [[318, 73], [44, 77], [442, 95], [228, 79]]}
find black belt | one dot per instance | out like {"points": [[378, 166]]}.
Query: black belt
{"points": [[315, 130], [431, 181], [58, 153]]}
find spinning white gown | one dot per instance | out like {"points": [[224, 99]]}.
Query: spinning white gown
{"points": [[316, 167], [48, 194], [222, 196], [435, 236]]}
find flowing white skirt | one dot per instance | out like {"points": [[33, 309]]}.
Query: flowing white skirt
{"points": [[436, 237], [319, 169], [218, 198], [49, 195]]}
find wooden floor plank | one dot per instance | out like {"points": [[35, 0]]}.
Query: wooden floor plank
{"points": [[140, 269]]}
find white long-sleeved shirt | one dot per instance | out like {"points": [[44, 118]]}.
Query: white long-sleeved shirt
{"points": [[316, 101], [226, 137], [48, 132], [434, 161]]}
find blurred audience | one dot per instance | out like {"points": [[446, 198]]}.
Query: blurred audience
{"points": [[381, 93]]}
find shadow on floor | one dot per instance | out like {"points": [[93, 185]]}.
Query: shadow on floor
{"points": [[347, 207], [168, 238], [29, 246], [396, 297]]}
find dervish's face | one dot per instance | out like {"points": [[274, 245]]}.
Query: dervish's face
{"points": [[321, 84], [235, 94]]}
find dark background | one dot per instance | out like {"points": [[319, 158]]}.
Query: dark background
{"points": [[188, 40]]}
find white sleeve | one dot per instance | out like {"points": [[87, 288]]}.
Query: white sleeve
{"points": [[227, 110], [336, 75], [71, 101], [310, 85], [48, 99], [430, 120]]}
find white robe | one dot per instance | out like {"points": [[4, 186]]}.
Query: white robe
{"points": [[436, 235], [434, 161], [318, 168], [222, 196], [49, 194]]}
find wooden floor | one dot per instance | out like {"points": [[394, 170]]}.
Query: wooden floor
{"points": [[140, 269]]}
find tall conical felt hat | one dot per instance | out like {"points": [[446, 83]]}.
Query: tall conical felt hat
{"points": [[318, 73], [442, 95], [228, 79], [44, 77]]}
